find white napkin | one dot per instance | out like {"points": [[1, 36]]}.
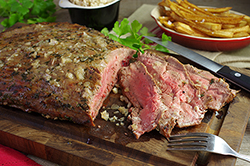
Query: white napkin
{"points": [[239, 58]]}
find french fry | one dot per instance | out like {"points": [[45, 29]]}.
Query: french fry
{"points": [[195, 8], [228, 14], [247, 19], [166, 22], [237, 29], [215, 19], [226, 26], [240, 34], [183, 28], [174, 8], [242, 23], [217, 10], [211, 26]]}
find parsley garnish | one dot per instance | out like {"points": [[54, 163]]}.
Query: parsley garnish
{"points": [[26, 11], [131, 36], [211, 81]]}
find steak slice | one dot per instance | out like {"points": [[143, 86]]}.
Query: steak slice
{"points": [[140, 88], [214, 91], [59, 70]]}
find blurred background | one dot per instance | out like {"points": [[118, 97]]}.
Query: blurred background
{"points": [[126, 9]]}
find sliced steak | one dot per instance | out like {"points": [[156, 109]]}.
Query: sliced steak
{"points": [[140, 88], [177, 91], [186, 100], [60, 70]]}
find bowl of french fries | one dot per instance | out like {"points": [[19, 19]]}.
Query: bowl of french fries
{"points": [[202, 27]]}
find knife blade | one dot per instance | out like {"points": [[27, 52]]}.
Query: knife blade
{"points": [[237, 78]]}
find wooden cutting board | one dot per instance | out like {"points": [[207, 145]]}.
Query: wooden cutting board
{"points": [[67, 143]]}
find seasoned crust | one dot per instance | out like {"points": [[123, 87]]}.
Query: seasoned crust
{"points": [[60, 70]]}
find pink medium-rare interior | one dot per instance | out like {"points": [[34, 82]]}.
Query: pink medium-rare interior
{"points": [[109, 77], [141, 89]]}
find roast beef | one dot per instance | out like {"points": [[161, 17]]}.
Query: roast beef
{"points": [[65, 71], [60, 70], [187, 92]]}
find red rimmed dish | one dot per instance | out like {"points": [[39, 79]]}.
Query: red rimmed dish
{"points": [[202, 43]]}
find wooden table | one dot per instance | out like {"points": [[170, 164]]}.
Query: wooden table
{"points": [[37, 133]]}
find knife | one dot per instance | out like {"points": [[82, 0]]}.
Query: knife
{"points": [[235, 77]]}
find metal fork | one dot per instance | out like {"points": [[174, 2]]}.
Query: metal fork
{"points": [[203, 142]]}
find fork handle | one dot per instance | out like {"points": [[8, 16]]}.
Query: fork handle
{"points": [[242, 156]]}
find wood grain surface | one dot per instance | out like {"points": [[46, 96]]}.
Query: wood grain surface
{"points": [[66, 143]]}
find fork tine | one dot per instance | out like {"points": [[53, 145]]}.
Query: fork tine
{"points": [[191, 135], [188, 144], [187, 139], [195, 148]]}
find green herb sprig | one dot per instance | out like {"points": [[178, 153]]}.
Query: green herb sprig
{"points": [[26, 11], [132, 35]]}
